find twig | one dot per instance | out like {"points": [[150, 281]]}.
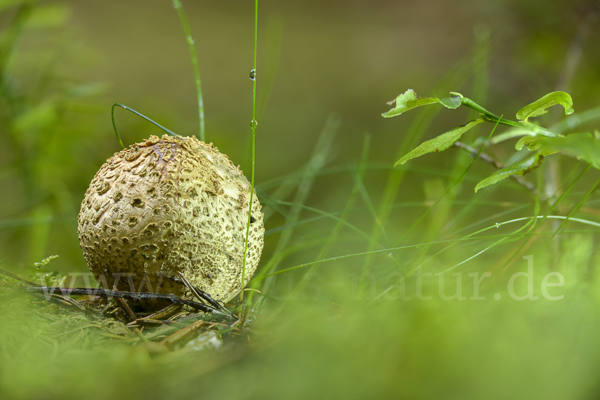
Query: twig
{"points": [[165, 312], [199, 294], [498, 165], [129, 295], [54, 298], [147, 321], [159, 317], [11, 275], [124, 306], [65, 300], [182, 333]]}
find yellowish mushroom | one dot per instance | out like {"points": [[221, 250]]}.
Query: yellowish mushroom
{"points": [[168, 205]]}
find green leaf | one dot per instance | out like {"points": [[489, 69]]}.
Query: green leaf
{"points": [[511, 134], [440, 143], [408, 100], [519, 168], [451, 102], [526, 141], [539, 107], [583, 146]]}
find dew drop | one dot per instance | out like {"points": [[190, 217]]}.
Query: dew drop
{"points": [[252, 75]]}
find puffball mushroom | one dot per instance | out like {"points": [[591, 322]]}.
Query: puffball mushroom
{"points": [[169, 205]]}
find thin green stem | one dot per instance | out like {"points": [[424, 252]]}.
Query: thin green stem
{"points": [[466, 239], [358, 184], [460, 178], [564, 194], [488, 116], [547, 215], [190, 40], [304, 186], [112, 114], [493, 118], [578, 206], [415, 131], [253, 127]]}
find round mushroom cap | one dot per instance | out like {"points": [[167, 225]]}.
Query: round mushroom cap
{"points": [[169, 205]]}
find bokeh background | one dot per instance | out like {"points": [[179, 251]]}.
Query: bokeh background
{"points": [[75, 59], [64, 63]]}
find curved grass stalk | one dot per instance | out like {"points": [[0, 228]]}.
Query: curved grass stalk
{"points": [[413, 246], [112, 113], [577, 207], [315, 164], [357, 188], [460, 178]]}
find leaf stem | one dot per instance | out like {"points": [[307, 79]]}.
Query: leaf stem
{"points": [[493, 118], [488, 116], [498, 165]]}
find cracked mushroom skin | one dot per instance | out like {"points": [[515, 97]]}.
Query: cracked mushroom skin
{"points": [[168, 205]]}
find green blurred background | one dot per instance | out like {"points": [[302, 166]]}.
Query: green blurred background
{"points": [[64, 63], [315, 58]]}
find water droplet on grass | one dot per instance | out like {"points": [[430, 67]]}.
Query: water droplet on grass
{"points": [[252, 75]]}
